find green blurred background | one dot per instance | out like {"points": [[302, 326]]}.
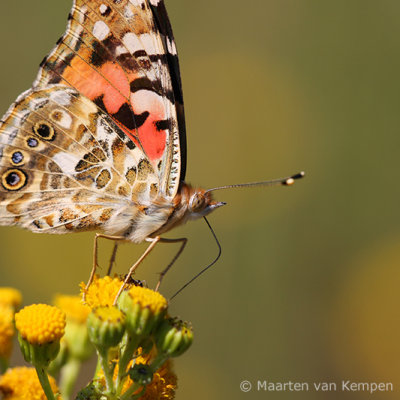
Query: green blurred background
{"points": [[307, 288]]}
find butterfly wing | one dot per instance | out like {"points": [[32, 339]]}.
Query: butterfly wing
{"points": [[162, 20], [66, 165], [121, 55]]}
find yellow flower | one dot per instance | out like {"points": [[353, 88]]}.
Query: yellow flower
{"points": [[22, 383], [73, 307], [40, 323], [162, 387], [6, 331], [102, 291], [10, 297], [164, 383], [148, 298]]}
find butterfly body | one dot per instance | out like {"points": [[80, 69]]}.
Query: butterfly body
{"points": [[99, 143]]}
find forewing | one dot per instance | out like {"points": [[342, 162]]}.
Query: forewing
{"points": [[65, 165], [121, 54]]}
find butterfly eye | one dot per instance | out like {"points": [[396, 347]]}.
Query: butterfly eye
{"points": [[44, 130], [197, 202], [13, 179]]}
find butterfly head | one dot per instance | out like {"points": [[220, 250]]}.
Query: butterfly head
{"points": [[201, 203]]}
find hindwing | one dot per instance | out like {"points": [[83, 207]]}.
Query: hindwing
{"points": [[66, 165]]}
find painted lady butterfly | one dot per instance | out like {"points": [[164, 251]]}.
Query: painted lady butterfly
{"points": [[98, 143]]}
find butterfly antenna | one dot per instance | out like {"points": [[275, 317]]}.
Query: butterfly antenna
{"points": [[208, 266], [274, 182]]}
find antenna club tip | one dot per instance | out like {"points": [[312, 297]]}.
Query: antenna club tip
{"points": [[289, 182], [292, 179], [301, 174]]}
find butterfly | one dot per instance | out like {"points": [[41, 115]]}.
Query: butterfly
{"points": [[98, 143]]}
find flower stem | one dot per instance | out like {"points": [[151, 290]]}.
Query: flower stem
{"points": [[69, 374], [44, 381], [103, 360], [158, 362], [130, 347]]}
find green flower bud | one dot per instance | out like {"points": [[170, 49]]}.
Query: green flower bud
{"points": [[106, 326], [144, 308], [39, 355], [173, 337]]}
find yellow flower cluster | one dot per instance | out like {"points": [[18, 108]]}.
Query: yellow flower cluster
{"points": [[142, 307], [10, 300], [163, 385], [102, 292], [10, 297], [135, 340], [40, 323], [6, 331], [22, 383]]}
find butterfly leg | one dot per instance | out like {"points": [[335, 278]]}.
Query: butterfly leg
{"points": [[112, 259], [95, 264], [183, 242], [153, 242]]}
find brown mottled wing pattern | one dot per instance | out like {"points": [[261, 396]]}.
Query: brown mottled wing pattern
{"points": [[65, 165], [121, 54]]}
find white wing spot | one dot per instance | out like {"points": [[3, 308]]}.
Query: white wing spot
{"points": [[132, 42], [66, 161], [144, 100], [136, 2], [100, 30], [60, 97], [103, 9], [171, 47], [146, 41]]}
